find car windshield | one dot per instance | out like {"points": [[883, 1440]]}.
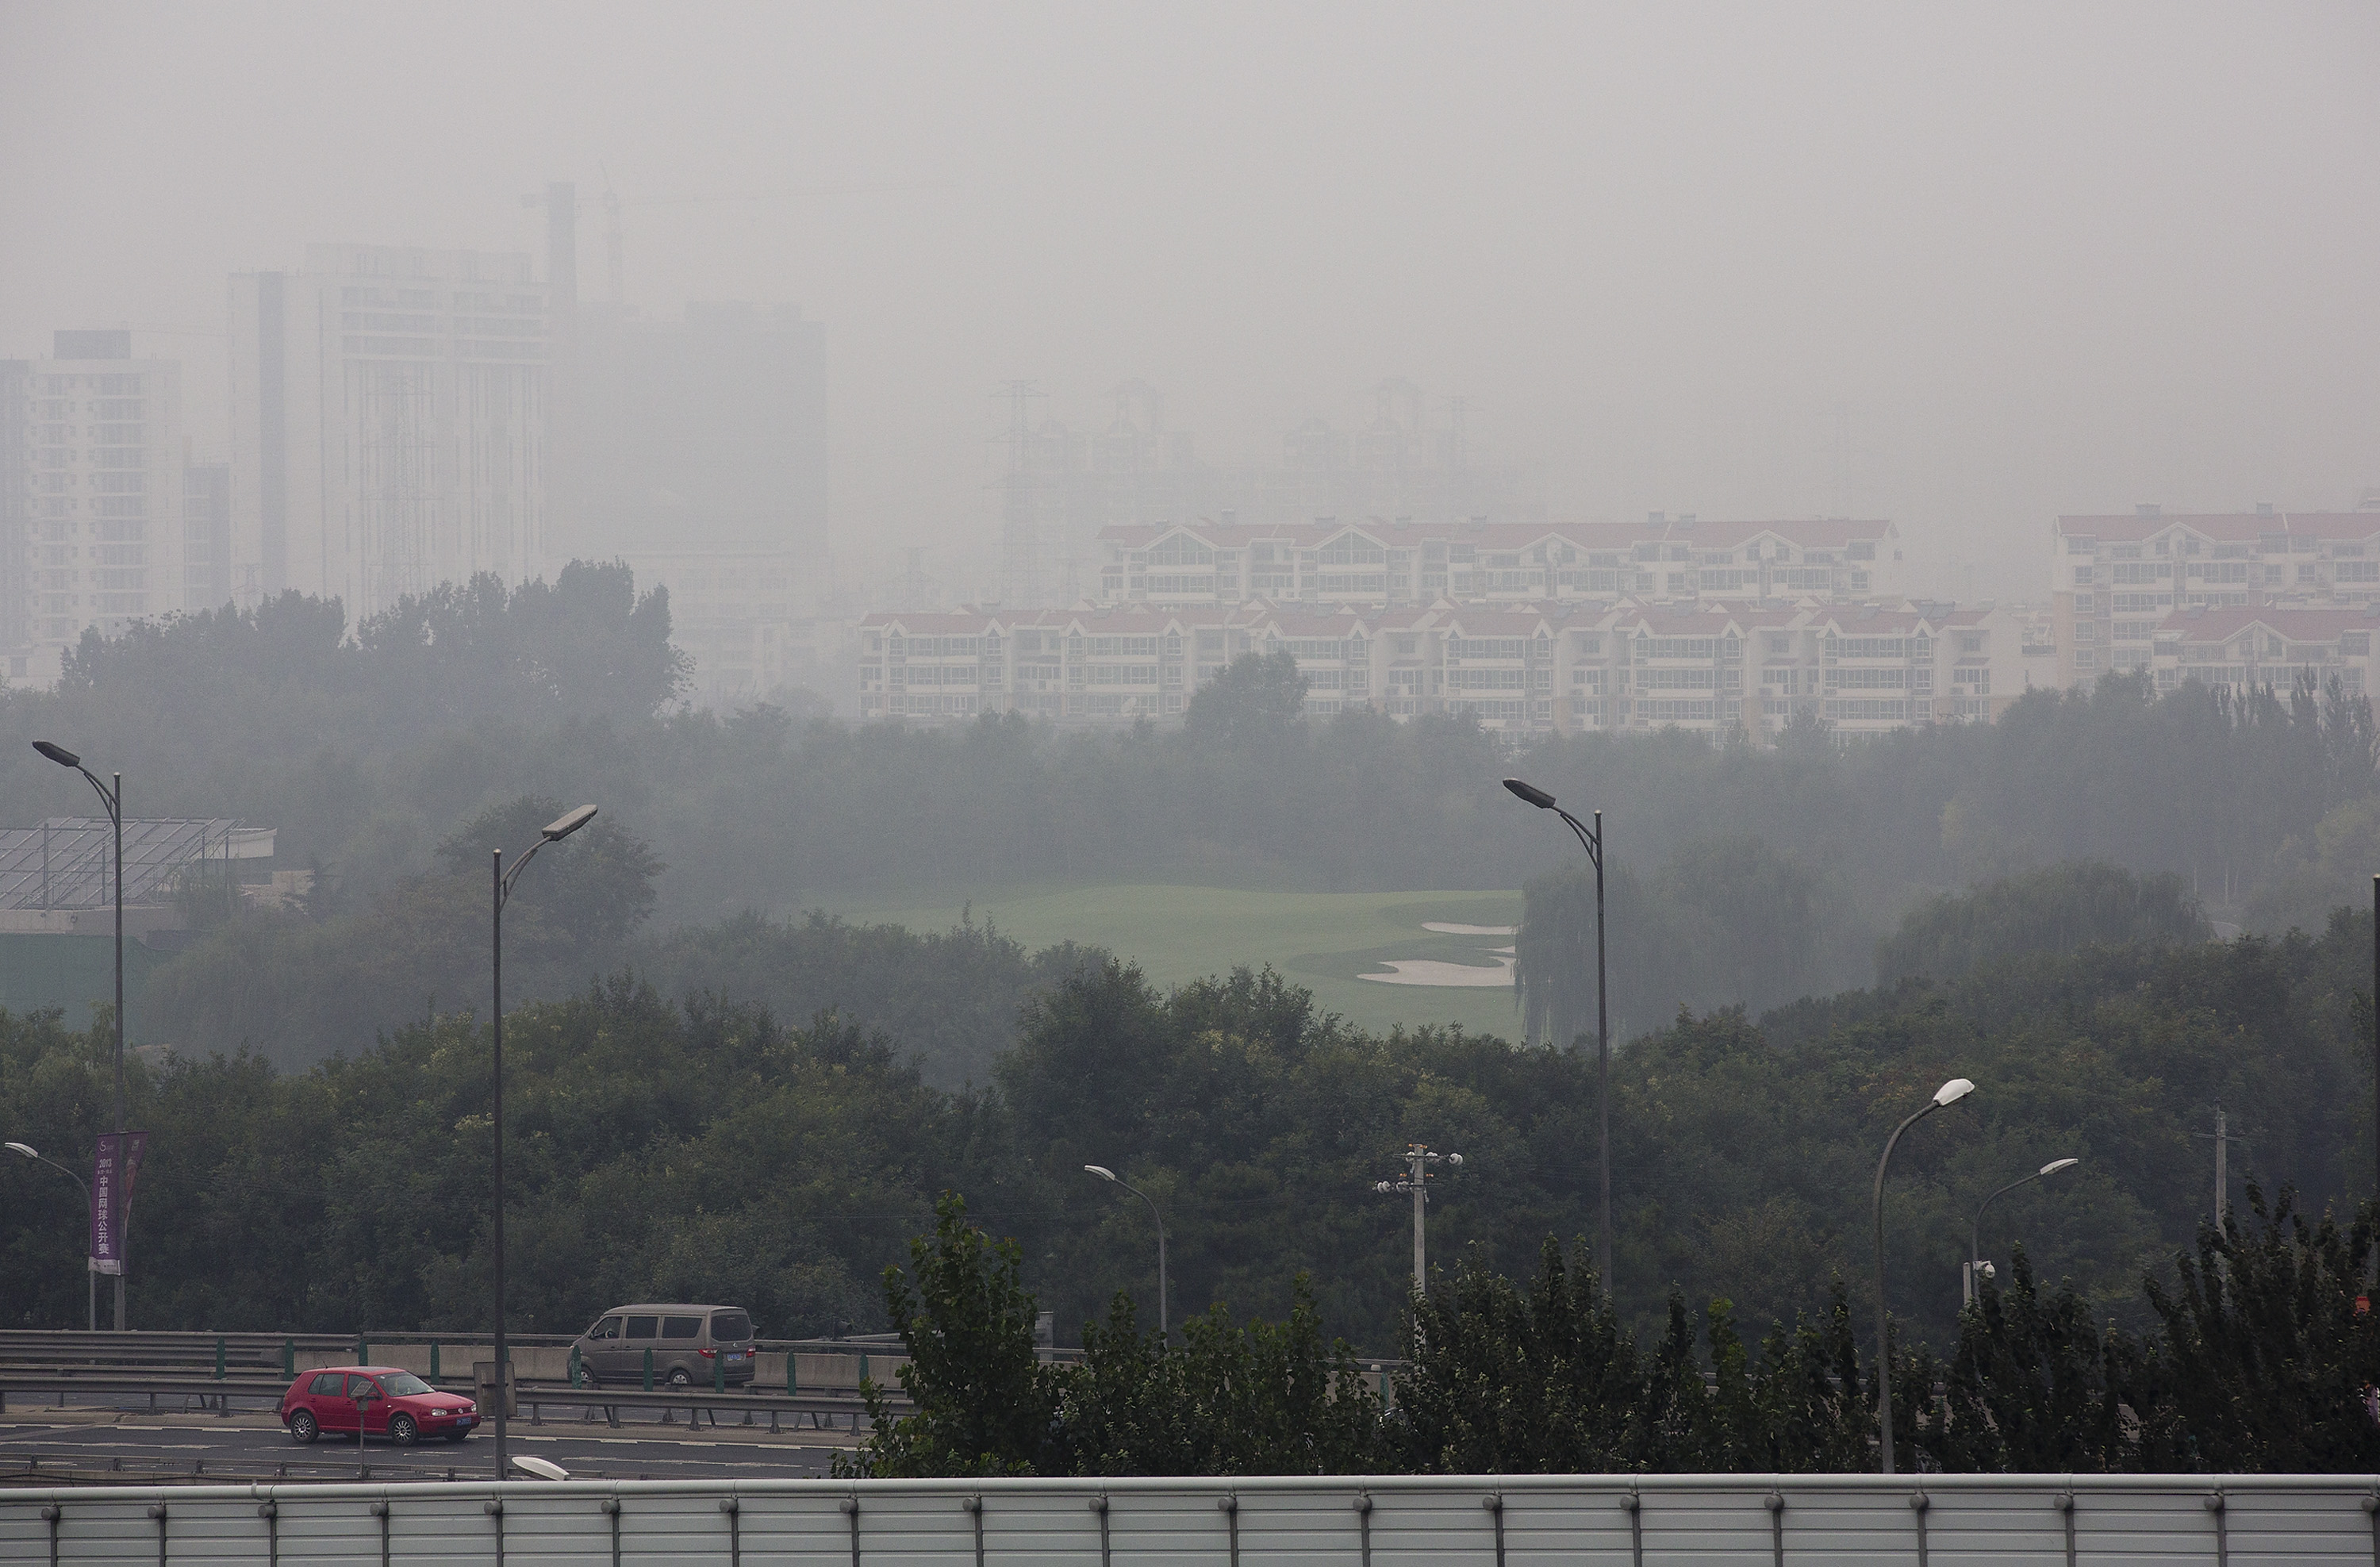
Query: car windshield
{"points": [[404, 1384]]}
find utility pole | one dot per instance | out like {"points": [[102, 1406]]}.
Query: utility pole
{"points": [[1418, 1158], [2222, 1136]]}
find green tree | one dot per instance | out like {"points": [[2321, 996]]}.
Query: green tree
{"points": [[2053, 910], [1255, 700], [984, 1402]]}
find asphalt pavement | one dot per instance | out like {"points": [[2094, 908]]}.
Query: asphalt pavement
{"points": [[249, 1446]]}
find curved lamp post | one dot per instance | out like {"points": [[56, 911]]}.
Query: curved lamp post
{"points": [[1591, 840], [1951, 1092], [554, 832], [1164, 1324], [91, 1278], [1975, 1263], [114, 800]]}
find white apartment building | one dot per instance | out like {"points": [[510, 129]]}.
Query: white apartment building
{"points": [[104, 465], [1375, 563], [2243, 649], [387, 424], [1548, 667], [2116, 579]]}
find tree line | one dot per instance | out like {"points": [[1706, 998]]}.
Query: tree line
{"points": [[386, 752], [2260, 1359], [702, 1143]]}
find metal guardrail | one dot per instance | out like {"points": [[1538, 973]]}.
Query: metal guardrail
{"points": [[826, 1410], [1513, 1521]]}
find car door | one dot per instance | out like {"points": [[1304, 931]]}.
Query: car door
{"points": [[327, 1397], [364, 1390], [603, 1354], [640, 1334]]}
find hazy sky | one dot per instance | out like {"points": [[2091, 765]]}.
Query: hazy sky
{"points": [[2049, 258]]}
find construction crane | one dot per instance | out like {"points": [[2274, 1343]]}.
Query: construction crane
{"points": [[615, 243]]}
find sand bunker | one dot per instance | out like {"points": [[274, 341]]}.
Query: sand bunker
{"points": [[1431, 971]]}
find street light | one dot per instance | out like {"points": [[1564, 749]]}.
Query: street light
{"points": [[1164, 1323], [1592, 842], [554, 832], [113, 799], [1975, 1264], [1951, 1092], [90, 1275]]}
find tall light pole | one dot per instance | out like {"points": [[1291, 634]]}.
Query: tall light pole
{"points": [[1164, 1322], [1592, 842], [1418, 1158], [89, 1274], [113, 799], [1974, 1231], [554, 832], [1951, 1092]]}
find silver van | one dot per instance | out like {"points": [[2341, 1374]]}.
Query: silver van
{"points": [[686, 1344]]}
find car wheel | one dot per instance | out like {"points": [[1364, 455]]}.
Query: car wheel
{"points": [[681, 1377], [402, 1430], [303, 1428]]}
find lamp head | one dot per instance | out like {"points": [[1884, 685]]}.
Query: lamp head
{"points": [[20, 1149], [1953, 1091], [543, 1468], [1530, 793], [564, 826], [57, 753], [2055, 1165], [1101, 1171]]}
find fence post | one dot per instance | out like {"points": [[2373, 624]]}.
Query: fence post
{"points": [[648, 1370], [789, 1373], [363, 1351], [289, 1357], [718, 1376], [219, 1357], [574, 1365], [433, 1360]]}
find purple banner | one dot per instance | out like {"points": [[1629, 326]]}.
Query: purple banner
{"points": [[114, 1170]]}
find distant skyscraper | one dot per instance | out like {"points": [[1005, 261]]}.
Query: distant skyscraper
{"points": [[387, 424], [101, 488], [702, 434], [206, 535], [16, 515]]}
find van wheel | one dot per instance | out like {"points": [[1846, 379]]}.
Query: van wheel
{"points": [[587, 1381], [681, 1377]]}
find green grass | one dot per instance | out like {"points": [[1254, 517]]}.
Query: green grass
{"points": [[1321, 940]]}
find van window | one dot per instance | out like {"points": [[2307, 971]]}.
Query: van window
{"points": [[681, 1327], [643, 1327], [607, 1328], [730, 1327]]}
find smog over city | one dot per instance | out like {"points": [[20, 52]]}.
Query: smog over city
{"points": [[1152, 688]]}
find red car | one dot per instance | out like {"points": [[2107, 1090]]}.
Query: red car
{"points": [[393, 1403]]}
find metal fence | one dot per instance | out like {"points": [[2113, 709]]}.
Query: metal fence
{"points": [[1957, 1521]]}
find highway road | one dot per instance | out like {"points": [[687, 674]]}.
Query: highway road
{"points": [[250, 1446]]}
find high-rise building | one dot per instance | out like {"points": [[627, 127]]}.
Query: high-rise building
{"points": [[101, 488], [206, 535], [702, 434], [387, 424], [16, 500]]}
